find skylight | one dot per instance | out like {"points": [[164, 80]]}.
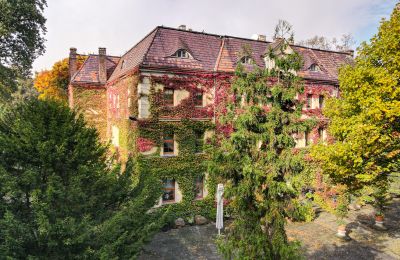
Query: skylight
{"points": [[314, 67], [182, 53]]}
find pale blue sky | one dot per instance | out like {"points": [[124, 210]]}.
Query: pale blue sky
{"points": [[119, 24]]}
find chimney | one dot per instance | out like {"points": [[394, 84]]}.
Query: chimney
{"points": [[182, 27], [102, 65], [262, 38], [72, 62]]}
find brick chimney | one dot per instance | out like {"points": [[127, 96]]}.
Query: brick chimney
{"points": [[102, 65], [72, 62], [262, 37]]}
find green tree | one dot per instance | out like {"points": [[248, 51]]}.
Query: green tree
{"points": [[22, 26], [60, 198], [257, 162], [365, 121]]}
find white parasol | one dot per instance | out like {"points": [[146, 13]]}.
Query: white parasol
{"points": [[220, 208]]}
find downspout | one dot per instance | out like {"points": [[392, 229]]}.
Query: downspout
{"points": [[215, 73]]}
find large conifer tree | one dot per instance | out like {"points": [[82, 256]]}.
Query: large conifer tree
{"points": [[257, 161], [59, 196]]}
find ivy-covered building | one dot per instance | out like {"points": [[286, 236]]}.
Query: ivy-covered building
{"points": [[160, 101]]}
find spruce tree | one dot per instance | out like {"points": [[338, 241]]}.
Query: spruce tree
{"points": [[60, 197], [257, 161]]}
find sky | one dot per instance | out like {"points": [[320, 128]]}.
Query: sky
{"points": [[120, 24]]}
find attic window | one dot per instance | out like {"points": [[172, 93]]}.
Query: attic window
{"points": [[182, 53], [246, 60], [314, 67], [123, 64]]}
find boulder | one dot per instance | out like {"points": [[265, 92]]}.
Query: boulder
{"points": [[200, 220], [179, 222]]}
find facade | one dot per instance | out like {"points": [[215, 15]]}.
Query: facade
{"points": [[160, 101]]}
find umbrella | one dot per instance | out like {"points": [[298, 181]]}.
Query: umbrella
{"points": [[220, 208]]}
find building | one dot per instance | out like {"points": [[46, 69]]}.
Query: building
{"points": [[160, 99]]}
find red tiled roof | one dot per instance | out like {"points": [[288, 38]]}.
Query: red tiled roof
{"points": [[89, 72], [209, 53], [203, 47], [134, 56], [232, 52]]}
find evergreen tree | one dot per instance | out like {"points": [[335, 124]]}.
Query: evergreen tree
{"points": [[365, 121], [257, 161], [60, 198]]}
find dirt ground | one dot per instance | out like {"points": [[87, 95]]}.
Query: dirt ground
{"points": [[318, 239]]}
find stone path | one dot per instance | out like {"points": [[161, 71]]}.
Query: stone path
{"points": [[317, 237]]}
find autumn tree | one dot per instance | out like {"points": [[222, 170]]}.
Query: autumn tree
{"points": [[22, 26], [365, 121], [257, 162], [53, 83]]}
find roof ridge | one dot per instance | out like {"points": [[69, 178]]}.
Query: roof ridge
{"points": [[77, 71], [140, 41], [249, 39], [151, 43], [317, 49]]}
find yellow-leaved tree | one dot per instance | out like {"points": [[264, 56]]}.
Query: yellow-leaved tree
{"points": [[365, 121], [53, 84]]}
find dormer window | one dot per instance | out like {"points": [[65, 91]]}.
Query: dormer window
{"points": [[246, 60], [314, 67], [182, 53]]}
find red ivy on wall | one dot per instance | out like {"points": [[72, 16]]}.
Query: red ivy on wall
{"points": [[144, 144]]}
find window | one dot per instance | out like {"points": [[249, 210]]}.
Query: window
{"points": [[123, 64], [129, 97], [199, 187], [115, 136], [321, 133], [199, 142], [168, 147], [169, 97], [314, 67], [307, 138], [246, 60], [198, 99], [309, 100], [168, 190], [181, 53], [118, 101], [321, 101]]}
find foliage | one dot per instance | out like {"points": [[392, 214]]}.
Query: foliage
{"points": [[365, 121], [53, 83], [284, 30], [345, 43], [22, 26], [257, 161], [59, 195]]}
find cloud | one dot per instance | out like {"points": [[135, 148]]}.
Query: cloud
{"points": [[119, 24]]}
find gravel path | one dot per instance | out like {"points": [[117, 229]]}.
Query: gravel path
{"points": [[317, 237]]}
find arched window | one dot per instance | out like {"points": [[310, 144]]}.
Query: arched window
{"points": [[246, 60], [182, 53], [314, 67]]}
